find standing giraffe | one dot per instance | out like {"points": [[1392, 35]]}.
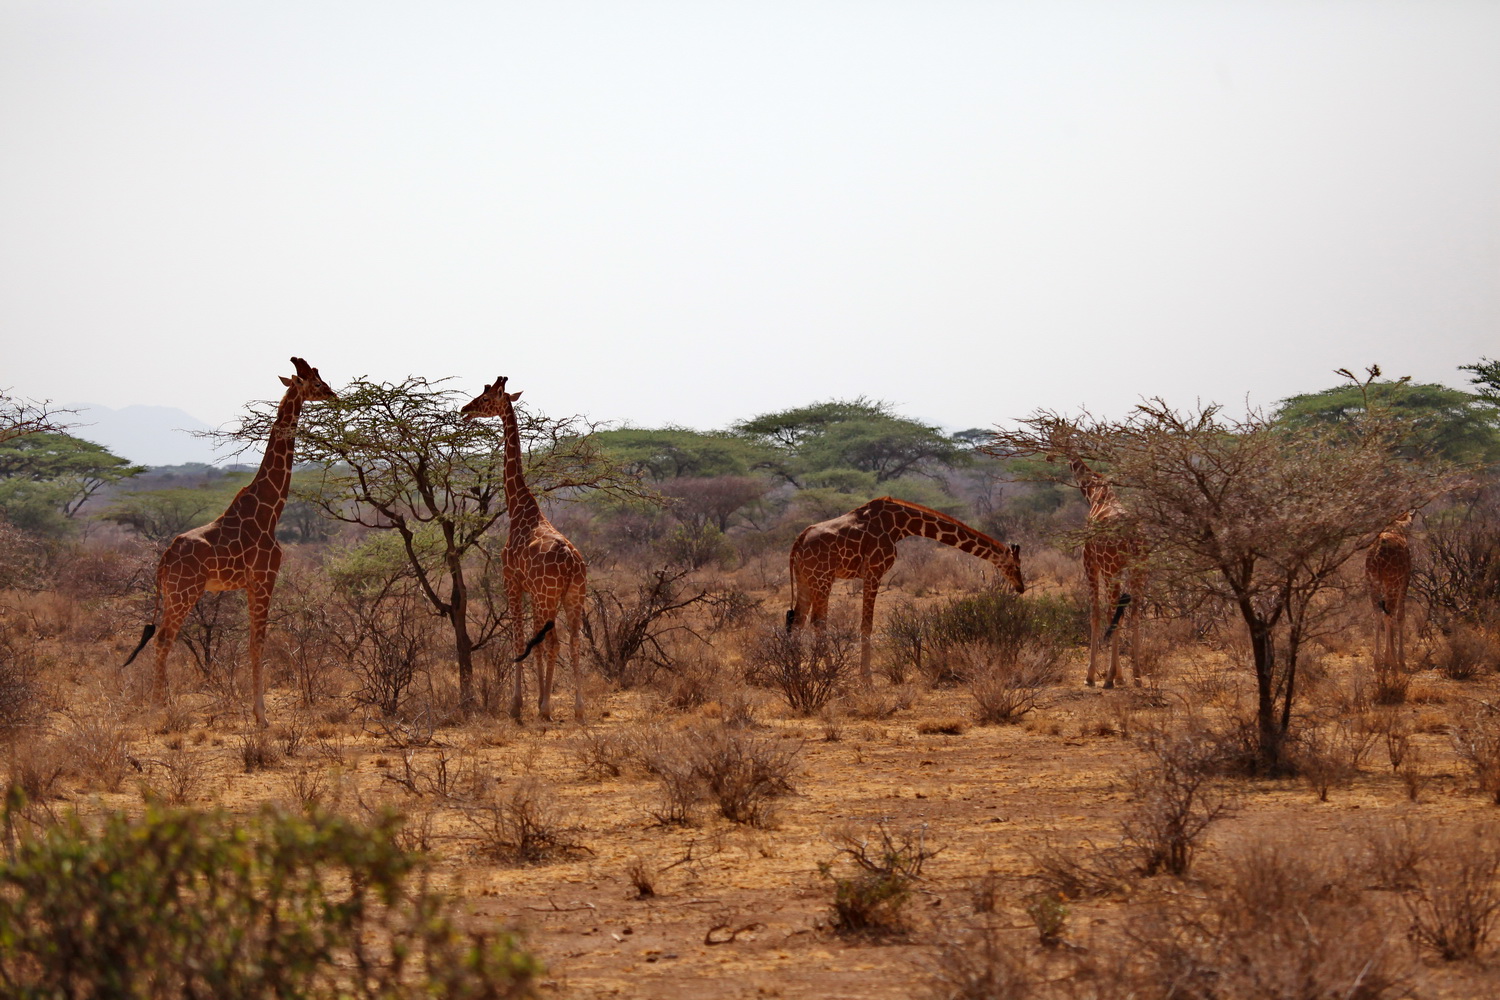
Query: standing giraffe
{"points": [[238, 551], [1108, 561], [537, 561], [1388, 572], [861, 545]]}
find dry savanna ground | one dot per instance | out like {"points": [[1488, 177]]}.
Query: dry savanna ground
{"points": [[698, 837]]}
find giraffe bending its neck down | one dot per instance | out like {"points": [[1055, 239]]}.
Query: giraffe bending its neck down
{"points": [[1108, 563], [1388, 572], [537, 561], [238, 551], [861, 545]]}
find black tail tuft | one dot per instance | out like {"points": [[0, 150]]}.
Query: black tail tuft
{"points": [[1383, 609], [536, 640], [791, 619], [1120, 607], [146, 635]]}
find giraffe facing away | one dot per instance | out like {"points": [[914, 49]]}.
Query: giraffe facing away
{"points": [[1109, 562], [537, 562], [1388, 572], [238, 551], [861, 545]]}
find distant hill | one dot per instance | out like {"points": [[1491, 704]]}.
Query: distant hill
{"points": [[146, 435]]}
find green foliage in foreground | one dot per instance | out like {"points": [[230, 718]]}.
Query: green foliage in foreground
{"points": [[183, 903]]}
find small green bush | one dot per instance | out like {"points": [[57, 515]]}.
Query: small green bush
{"points": [[182, 903]]}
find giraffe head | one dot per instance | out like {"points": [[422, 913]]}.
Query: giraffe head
{"points": [[307, 383], [1011, 568], [489, 402]]}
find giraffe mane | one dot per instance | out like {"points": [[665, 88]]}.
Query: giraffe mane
{"points": [[946, 517]]}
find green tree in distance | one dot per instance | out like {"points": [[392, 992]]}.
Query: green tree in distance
{"points": [[1429, 419], [860, 435]]}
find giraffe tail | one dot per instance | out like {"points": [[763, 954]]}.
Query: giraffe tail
{"points": [[1120, 606], [537, 639], [1383, 609], [146, 635]]}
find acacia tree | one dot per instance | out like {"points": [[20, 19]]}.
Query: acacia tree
{"points": [[399, 457], [1249, 511], [19, 417], [862, 435]]}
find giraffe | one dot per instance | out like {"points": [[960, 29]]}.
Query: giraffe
{"points": [[537, 561], [238, 551], [1388, 572], [1108, 562], [861, 545]]}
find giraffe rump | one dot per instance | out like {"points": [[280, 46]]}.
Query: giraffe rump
{"points": [[146, 635], [536, 640]]}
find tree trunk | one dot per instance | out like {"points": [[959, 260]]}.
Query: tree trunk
{"points": [[463, 645]]}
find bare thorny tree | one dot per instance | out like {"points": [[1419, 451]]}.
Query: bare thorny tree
{"points": [[1248, 512], [399, 457]]}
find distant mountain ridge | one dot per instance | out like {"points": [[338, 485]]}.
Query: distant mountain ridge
{"points": [[146, 435]]}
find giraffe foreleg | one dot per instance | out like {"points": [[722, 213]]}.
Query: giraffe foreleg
{"points": [[258, 598], [515, 597], [869, 592], [545, 612]]}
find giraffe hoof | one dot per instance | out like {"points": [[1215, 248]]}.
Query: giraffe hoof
{"points": [[1108, 685], [1089, 682]]}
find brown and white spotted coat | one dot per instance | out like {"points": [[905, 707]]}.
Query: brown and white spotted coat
{"points": [[537, 562], [861, 545], [1109, 563], [1388, 573], [238, 550]]}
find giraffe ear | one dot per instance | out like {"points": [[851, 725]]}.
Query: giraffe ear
{"points": [[285, 381], [512, 396]]}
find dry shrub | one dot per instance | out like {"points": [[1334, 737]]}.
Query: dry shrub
{"points": [[883, 867], [182, 776], [37, 767], [1391, 854], [690, 681], [1006, 685], [1279, 924], [625, 639], [808, 666], [1085, 871], [524, 824], [1458, 892], [257, 750], [741, 773], [1466, 652], [1476, 737], [1175, 803], [21, 701], [97, 749], [1329, 756], [978, 963]]}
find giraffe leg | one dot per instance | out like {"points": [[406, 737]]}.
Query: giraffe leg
{"points": [[573, 608], [1134, 611], [547, 660], [521, 631], [1094, 624], [1398, 624], [1114, 642], [258, 597], [1379, 634], [176, 602], [869, 592]]}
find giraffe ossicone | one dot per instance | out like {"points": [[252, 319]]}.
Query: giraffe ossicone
{"points": [[238, 550], [538, 563], [861, 545]]}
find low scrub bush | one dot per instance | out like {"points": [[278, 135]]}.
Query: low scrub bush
{"points": [[871, 900], [1175, 803], [523, 824], [740, 772], [949, 642], [808, 666], [1457, 900], [179, 903]]}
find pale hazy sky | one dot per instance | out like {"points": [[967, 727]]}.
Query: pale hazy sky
{"points": [[694, 212]]}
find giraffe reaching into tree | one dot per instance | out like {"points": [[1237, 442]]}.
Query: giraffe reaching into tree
{"points": [[238, 551], [861, 545], [1108, 562], [1388, 572], [537, 561]]}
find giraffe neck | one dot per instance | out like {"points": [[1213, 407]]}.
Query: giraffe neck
{"points": [[906, 520], [520, 504], [268, 488], [1099, 494]]}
